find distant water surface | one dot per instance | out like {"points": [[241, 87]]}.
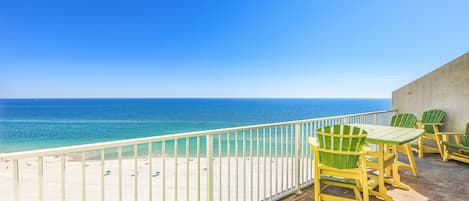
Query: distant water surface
{"points": [[27, 124]]}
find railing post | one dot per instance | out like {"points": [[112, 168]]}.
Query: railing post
{"points": [[16, 180], [345, 120], [298, 149], [375, 118], [210, 167]]}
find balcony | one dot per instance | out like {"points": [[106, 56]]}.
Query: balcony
{"points": [[259, 162], [262, 162]]}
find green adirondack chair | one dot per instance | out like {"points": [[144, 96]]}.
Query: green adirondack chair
{"points": [[406, 120], [463, 148], [340, 160], [431, 121]]}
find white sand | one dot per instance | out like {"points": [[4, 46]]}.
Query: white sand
{"points": [[52, 188]]}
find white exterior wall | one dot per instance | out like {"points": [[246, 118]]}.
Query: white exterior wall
{"points": [[446, 88]]}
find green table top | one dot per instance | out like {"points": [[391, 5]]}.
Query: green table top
{"points": [[389, 135]]}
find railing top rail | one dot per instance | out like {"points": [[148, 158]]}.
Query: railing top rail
{"points": [[118, 143]]}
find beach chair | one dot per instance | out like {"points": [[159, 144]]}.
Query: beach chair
{"points": [[340, 160], [431, 121], [462, 153], [406, 120]]}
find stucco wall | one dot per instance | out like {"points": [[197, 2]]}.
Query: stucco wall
{"points": [[445, 88]]}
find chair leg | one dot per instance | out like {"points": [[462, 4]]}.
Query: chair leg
{"points": [[445, 148], [438, 144], [458, 141], [358, 195], [317, 189], [364, 178], [420, 147], [366, 196], [410, 155]]}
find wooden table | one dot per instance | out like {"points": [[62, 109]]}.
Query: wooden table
{"points": [[393, 137]]}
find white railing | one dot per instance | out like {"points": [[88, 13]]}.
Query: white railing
{"points": [[259, 162]]}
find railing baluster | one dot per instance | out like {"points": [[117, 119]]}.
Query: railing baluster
{"points": [[102, 174], [40, 169], [198, 168], [292, 157], [270, 163], [250, 155], [236, 162], [210, 168], [311, 152], [16, 180], [282, 157], [176, 169], [265, 173], [220, 162], [297, 136], [135, 172], [150, 171], [62, 168], [187, 169], [302, 175], [276, 161], [244, 165], [83, 175], [228, 154], [163, 154], [308, 133], [119, 156], [287, 157], [258, 165]]}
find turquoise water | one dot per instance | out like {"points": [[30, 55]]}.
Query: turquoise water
{"points": [[27, 124]]}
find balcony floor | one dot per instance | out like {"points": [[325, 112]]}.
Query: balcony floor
{"points": [[438, 180]]}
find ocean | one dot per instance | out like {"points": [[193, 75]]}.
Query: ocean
{"points": [[28, 124]]}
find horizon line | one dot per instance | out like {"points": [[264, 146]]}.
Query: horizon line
{"points": [[195, 98]]}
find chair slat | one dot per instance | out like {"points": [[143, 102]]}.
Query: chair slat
{"points": [[343, 138], [404, 120], [432, 116]]}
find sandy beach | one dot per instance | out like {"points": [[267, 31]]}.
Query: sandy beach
{"points": [[73, 181]]}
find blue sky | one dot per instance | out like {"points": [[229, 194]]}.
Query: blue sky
{"points": [[321, 49]]}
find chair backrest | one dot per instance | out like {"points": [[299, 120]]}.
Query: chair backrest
{"points": [[340, 145], [432, 116], [404, 120], [466, 136]]}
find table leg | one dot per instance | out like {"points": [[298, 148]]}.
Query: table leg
{"points": [[387, 171], [396, 178], [382, 192]]}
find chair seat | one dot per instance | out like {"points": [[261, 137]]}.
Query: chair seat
{"points": [[338, 179], [457, 146]]}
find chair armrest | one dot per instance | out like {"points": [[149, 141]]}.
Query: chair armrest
{"points": [[420, 124], [445, 137], [313, 141], [433, 124], [366, 148], [450, 133]]}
